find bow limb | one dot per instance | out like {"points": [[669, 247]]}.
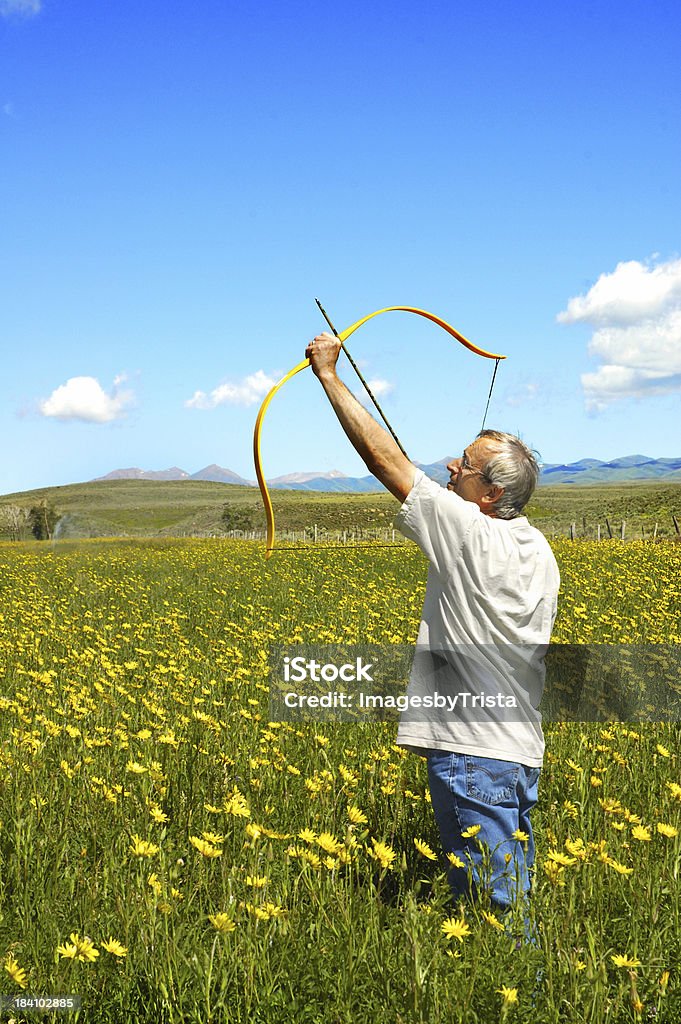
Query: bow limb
{"points": [[429, 316], [257, 433], [267, 502]]}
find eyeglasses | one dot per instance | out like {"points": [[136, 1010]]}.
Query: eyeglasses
{"points": [[465, 465]]}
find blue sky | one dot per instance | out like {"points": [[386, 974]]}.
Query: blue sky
{"points": [[179, 182]]}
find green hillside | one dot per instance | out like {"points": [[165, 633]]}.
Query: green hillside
{"points": [[151, 508]]}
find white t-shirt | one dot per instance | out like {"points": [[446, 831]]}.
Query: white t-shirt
{"points": [[490, 604]]}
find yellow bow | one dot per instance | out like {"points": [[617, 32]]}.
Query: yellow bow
{"points": [[267, 502]]}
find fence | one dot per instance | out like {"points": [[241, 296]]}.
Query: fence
{"points": [[620, 532], [322, 536]]}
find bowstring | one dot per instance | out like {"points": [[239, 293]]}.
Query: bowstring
{"points": [[491, 389]]}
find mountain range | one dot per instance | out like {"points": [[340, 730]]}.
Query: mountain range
{"points": [[586, 471]]}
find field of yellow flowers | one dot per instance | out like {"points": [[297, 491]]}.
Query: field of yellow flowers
{"points": [[168, 854]]}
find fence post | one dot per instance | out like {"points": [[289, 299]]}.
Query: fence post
{"points": [[315, 533], [655, 532], [607, 523], [622, 533], [676, 524], [598, 535]]}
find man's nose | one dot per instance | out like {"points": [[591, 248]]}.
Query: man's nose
{"points": [[454, 466]]}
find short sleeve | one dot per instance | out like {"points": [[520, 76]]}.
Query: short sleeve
{"points": [[437, 520]]}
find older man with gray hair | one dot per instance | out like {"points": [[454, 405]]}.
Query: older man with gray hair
{"points": [[490, 604]]}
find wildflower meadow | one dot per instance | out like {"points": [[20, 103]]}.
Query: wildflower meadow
{"points": [[169, 854]]}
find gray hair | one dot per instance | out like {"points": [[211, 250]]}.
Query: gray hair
{"points": [[514, 467]]}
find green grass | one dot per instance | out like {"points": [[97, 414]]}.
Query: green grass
{"points": [[145, 508], [134, 702]]}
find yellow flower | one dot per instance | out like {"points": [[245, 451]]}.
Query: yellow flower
{"points": [[610, 806], [675, 790], [424, 849], [16, 973], [641, 833], [82, 949], [521, 836], [509, 995], [455, 861], [356, 816], [213, 837], [576, 847], [328, 843], [114, 946], [153, 881], [663, 751], [455, 928], [621, 869], [493, 921], [256, 881], [158, 815], [141, 848], [307, 835], [265, 911], [222, 922], [561, 858], [310, 857], [383, 853], [554, 872], [470, 832], [667, 830], [204, 848], [625, 961]]}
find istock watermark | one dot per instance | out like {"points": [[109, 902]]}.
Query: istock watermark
{"points": [[476, 683]]}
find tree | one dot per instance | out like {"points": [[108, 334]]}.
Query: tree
{"points": [[14, 521], [42, 519], [236, 517]]}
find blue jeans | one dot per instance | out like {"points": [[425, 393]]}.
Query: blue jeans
{"points": [[498, 795]]}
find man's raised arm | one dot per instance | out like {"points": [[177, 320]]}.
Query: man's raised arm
{"points": [[373, 444]]}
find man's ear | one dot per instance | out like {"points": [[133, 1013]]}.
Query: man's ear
{"points": [[491, 497]]}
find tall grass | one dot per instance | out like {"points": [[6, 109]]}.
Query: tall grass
{"points": [[257, 871]]}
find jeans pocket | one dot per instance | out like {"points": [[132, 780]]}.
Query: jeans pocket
{"points": [[489, 780]]}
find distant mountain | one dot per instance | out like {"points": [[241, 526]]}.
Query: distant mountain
{"points": [[214, 473], [340, 483], [587, 471], [303, 478], [219, 475], [174, 473], [628, 468]]}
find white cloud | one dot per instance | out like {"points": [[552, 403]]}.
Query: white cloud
{"points": [[247, 392], [633, 292], [636, 311], [83, 398], [27, 8], [380, 387]]}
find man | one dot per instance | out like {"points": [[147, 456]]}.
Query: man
{"points": [[490, 604]]}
